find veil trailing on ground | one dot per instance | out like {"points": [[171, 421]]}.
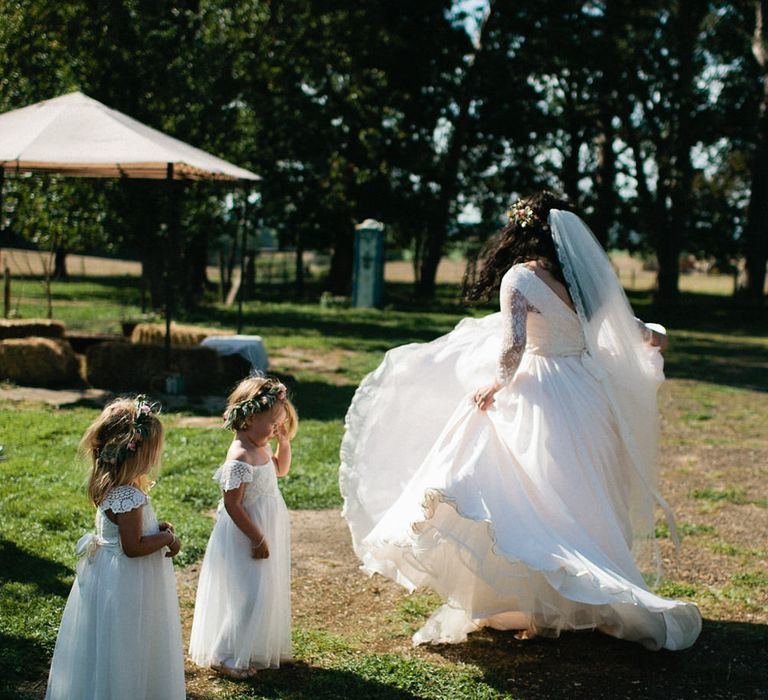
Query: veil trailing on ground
{"points": [[624, 365]]}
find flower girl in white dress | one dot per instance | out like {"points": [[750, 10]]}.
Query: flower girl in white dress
{"points": [[120, 636], [527, 503], [242, 620]]}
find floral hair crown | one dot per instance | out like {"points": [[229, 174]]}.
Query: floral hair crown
{"points": [[269, 393], [521, 214], [114, 452]]}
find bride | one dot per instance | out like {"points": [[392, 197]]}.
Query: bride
{"points": [[510, 465]]}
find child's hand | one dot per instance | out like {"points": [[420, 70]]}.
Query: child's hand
{"points": [[166, 526], [174, 547], [281, 433], [260, 550]]}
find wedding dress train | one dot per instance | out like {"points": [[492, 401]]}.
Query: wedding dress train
{"points": [[520, 517]]}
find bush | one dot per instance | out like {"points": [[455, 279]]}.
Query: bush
{"points": [[123, 366], [183, 336], [25, 328], [38, 361]]}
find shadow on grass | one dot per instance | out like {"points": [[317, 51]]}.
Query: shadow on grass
{"points": [[20, 565], [698, 350], [729, 363], [25, 668], [729, 660], [317, 400], [301, 680]]}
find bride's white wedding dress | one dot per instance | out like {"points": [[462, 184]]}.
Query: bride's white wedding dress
{"points": [[518, 516]]}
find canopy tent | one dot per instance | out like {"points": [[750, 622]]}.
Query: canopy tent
{"points": [[76, 136]]}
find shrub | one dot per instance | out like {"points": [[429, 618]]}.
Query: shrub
{"points": [[38, 361]]}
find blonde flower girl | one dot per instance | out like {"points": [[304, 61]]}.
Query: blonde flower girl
{"points": [[120, 636], [242, 619]]}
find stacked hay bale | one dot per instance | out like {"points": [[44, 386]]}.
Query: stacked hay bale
{"points": [[141, 364], [181, 336], [130, 366], [34, 327], [37, 360]]}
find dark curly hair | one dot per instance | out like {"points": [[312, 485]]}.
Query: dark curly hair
{"points": [[519, 242]]}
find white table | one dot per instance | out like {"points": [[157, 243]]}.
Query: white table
{"points": [[251, 347]]}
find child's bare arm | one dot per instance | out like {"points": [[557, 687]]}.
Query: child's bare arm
{"points": [[282, 457], [233, 503], [136, 544]]}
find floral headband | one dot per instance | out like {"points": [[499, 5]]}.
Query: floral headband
{"points": [[521, 214], [265, 399], [113, 452]]}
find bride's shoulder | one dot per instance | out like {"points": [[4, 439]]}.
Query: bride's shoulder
{"points": [[517, 275]]}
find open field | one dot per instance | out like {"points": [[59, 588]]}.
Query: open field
{"points": [[352, 633]]}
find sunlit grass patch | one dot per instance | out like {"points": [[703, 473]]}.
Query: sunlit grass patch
{"points": [[751, 579], [685, 529], [676, 589], [737, 496], [732, 550]]}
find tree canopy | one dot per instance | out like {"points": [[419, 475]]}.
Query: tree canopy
{"points": [[650, 116]]}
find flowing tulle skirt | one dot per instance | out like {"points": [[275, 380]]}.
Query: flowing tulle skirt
{"points": [[243, 607], [517, 516], [120, 636]]}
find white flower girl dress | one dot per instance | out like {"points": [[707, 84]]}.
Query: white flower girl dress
{"points": [[242, 615], [533, 514], [120, 636]]}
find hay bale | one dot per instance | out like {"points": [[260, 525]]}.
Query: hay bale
{"points": [[123, 366], [32, 327], [38, 361], [80, 342], [181, 336], [233, 369]]}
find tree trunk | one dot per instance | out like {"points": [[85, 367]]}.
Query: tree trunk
{"points": [[570, 172], [756, 233], [340, 274], [605, 182], [299, 263], [195, 271], [438, 234], [605, 173], [60, 264]]}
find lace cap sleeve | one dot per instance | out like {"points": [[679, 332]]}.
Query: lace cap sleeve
{"points": [[233, 473], [121, 499], [514, 314]]}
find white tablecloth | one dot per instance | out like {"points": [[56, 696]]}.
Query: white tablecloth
{"points": [[251, 347]]}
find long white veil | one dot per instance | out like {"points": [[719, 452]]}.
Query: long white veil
{"points": [[623, 363]]}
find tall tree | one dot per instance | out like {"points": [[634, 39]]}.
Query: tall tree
{"points": [[756, 233]]}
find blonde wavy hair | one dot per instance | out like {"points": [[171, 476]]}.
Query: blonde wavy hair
{"points": [[120, 455], [247, 395]]}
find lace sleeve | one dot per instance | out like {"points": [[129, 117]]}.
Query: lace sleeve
{"points": [[233, 473], [121, 499], [514, 313]]}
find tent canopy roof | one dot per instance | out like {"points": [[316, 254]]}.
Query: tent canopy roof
{"points": [[78, 136]]}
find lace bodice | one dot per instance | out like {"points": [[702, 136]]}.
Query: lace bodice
{"points": [[260, 479], [534, 320], [122, 499]]}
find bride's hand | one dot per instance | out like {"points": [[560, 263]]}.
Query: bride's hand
{"points": [[484, 397]]}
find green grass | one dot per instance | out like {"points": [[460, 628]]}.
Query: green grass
{"points": [[718, 347]]}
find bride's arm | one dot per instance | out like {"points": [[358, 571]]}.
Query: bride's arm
{"points": [[514, 313]]}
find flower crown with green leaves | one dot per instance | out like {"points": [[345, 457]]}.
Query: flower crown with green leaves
{"points": [[521, 214], [270, 393], [116, 451]]}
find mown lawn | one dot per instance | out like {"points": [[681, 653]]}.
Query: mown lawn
{"points": [[714, 466]]}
